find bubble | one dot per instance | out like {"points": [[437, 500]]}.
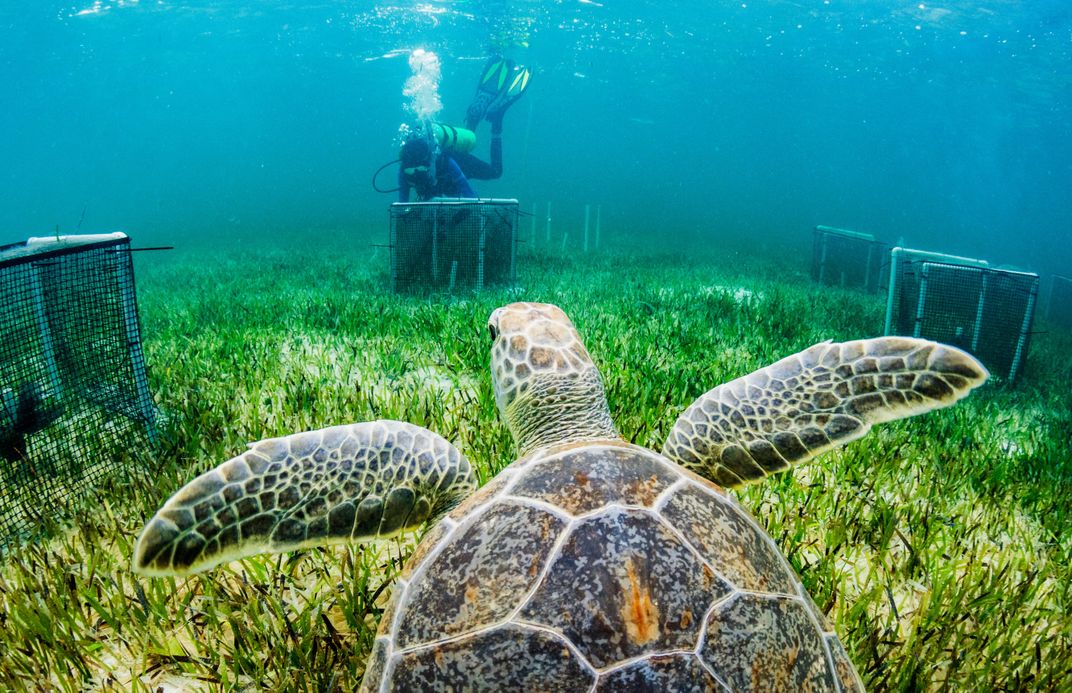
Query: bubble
{"points": [[422, 87]]}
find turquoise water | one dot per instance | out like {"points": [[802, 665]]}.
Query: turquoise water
{"points": [[943, 125]]}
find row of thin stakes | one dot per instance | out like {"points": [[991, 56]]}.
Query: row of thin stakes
{"points": [[592, 227]]}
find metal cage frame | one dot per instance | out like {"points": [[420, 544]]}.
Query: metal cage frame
{"points": [[74, 390], [914, 309], [829, 241], [450, 244]]}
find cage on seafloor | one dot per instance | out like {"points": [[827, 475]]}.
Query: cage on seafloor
{"points": [[449, 245], [1059, 301], [849, 259], [73, 390], [988, 312]]}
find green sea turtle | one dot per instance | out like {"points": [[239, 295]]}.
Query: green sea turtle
{"points": [[589, 563]]}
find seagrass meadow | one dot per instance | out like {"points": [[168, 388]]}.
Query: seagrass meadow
{"points": [[939, 546]]}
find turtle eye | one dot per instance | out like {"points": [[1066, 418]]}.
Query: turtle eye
{"points": [[493, 332]]}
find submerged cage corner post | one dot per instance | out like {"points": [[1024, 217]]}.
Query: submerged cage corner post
{"points": [[849, 259], [1059, 301], [965, 302], [453, 244], [73, 388]]}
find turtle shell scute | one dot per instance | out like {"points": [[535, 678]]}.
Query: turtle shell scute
{"points": [[729, 540], [510, 658], [588, 478], [681, 673], [624, 585], [480, 576], [759, 642]]}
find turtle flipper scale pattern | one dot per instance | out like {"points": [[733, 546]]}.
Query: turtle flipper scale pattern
{"points": [[822, 397], [340, 484]]}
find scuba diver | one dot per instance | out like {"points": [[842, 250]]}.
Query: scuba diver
{"points": [[435, 161]]}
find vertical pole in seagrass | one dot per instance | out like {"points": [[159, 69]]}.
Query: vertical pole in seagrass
{"points": [[564, 237], [599, 218], [587, 214], [533, 230], [547, 239]]}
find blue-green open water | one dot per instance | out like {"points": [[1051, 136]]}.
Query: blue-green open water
{"points": [[946, 125]]}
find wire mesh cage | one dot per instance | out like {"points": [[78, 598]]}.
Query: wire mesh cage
{"points": [[1059, 302], [849, 259], [987, 312], [73, 387], [451, 245]]}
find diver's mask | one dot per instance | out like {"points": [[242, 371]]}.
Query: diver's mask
{"points": [[420, 153]]}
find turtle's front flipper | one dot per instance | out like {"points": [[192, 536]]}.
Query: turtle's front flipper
{"points": [[824, 396], [339, 484]]}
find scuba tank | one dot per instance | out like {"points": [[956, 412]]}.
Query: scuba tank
{"points": [[446, 138], [453, 139]]}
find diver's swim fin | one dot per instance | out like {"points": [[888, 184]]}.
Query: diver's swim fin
{"points": [[496, 70], [493, 81], [515, 89]]}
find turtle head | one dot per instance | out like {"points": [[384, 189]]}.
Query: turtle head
{"points": [[546, 386]]}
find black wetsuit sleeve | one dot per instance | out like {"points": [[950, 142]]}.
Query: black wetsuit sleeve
{"points": [[403, 187]]}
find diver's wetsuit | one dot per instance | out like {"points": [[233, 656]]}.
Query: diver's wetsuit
{"points": [[453, 171], [449, 182]]}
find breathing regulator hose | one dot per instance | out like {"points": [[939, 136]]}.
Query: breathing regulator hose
{"points": [[377, 173]]}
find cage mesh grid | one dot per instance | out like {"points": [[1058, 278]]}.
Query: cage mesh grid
{"points": [[848, 259], [1059, 304], [453, 245], [987, 312], [73, 387]]}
